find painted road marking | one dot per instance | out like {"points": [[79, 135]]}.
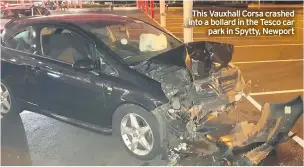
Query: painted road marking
{"points": [[277, 92], [243, 37], [294, 44], [179, 32], [259, 107], [268, 61], [199, 26]]}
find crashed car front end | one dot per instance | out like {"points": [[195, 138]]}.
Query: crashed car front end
{"points": [[201, 83]]}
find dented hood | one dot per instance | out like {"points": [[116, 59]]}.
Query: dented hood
{"points": [[203, 51], [195, 58], [179, 67]]}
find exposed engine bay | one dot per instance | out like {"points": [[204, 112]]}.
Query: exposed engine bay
{"points": [[202, 84]]}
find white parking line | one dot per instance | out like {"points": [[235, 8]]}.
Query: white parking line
{"points": [[199, 27], [291, 44], [268, 61], [259, 107], [241, 37], [181, 32], [277, 92]]}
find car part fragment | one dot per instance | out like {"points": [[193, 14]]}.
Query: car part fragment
{"points": [[200, 84], [247, 144]]}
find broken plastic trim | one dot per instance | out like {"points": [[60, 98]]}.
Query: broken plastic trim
{"points": [[272, 129]]}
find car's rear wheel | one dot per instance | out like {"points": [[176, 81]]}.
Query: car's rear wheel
{"points": [[138, 130], [8, 102]]}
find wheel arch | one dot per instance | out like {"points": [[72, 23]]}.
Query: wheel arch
{"points": [[161, 121], [125, 103]]}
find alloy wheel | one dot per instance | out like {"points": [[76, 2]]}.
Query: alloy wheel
{"points": [[5, 99], [136, 134]]}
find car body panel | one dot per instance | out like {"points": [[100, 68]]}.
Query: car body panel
{"points": [[57, 82], [13, 71]]}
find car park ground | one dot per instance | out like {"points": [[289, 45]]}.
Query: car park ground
{"points": [[274, 64]]}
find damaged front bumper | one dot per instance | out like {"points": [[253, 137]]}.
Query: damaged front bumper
{"points": [[200, 84], [246, 144], [272, 129]]}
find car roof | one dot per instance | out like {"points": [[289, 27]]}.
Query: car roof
{"points": [[18, 7], [74, 19]]}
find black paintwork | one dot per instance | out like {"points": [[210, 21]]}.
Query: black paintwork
{"points": [[58, 89], [88, 94]]}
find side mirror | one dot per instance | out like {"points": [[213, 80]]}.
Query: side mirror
{"points": [[84, 65]]}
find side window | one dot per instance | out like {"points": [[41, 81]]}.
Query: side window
{"points": [[64, 45], [23, 41], [36, 12], [44, 11]]}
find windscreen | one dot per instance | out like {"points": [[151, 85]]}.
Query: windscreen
{"points": [[132, 41]]}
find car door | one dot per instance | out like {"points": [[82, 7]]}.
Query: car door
{"points": [[66, 92], [16, 53]]}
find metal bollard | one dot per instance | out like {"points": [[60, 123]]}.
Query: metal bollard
{"points": [[162, 13]]}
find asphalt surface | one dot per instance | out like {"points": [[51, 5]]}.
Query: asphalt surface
{"points": [[34, 139]]}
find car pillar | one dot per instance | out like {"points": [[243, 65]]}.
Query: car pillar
{"points": [[43, 3], [188, 29], [80, 3], [57, 5]]}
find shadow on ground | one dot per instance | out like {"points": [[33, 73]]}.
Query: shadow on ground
{"points": [[14, 145]]}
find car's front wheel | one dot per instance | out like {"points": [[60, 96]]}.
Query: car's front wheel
{"points": [[138, 131], [8, 102]]}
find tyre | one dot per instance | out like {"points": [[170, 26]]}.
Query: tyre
{"points": [[138, 131], [8, 102]]}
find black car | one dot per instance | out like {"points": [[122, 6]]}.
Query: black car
{"points": [[118, 75], [69, 67]]}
